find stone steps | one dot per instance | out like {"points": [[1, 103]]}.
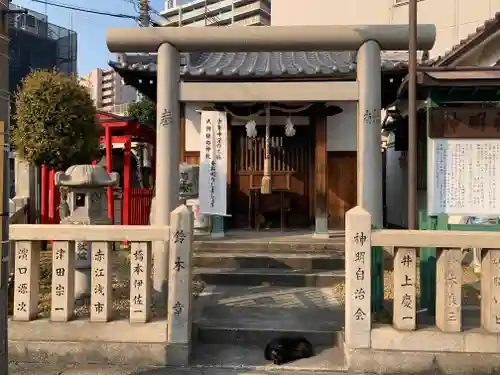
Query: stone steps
{"points": [[247, 359], [257, 336], [257, 291], [270, 276], [252, 316], [323, 260], [259, 245]]}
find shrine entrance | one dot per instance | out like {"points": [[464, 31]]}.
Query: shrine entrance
{"points": [[291, 169]]}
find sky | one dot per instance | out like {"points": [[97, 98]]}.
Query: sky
{"points": [[91, 28]]}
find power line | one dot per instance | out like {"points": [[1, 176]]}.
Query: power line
{"points": [[84, 10]]}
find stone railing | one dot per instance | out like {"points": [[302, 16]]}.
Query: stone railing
{"points": [[18, 210], [101, 337], [447, 332], [18, 214]]}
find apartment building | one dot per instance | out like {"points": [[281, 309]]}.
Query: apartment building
{"points": [[108, 91], [217, 13], [454, 19], [35, 43]]}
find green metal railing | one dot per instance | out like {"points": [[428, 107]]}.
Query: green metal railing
{"points": [[377, 268]]}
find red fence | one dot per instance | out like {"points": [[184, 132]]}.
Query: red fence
{"points": [[140, 202], [140, 206]]}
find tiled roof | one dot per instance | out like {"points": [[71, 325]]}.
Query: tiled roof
{"points": [[489, 27], [261, 64]]}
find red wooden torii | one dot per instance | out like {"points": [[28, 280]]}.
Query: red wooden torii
{"points": [[125, 129], [117, 129]]}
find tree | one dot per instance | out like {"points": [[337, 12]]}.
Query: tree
{"points": [[144, 110], [54, 122]]}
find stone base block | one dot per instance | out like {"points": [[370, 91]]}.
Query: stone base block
{"points": [[178, 354], [403, 362], [80, 341], [427, 351]]}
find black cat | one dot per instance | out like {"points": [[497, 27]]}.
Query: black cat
{"points": [[286, 349]]}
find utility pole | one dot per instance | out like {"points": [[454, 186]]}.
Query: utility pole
{"points": [[206, 10], [4, 181], [144, 20], [412, 116]]}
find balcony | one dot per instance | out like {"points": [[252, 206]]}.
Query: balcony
{"points": [[221, 10]]}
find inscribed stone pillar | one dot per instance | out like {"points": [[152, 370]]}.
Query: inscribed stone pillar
{"points": [[101, 297], [449, 290], [63, 281], [180, 290], [358, 278], [168, 158], [490, 291], [369, 136], [405, 292], [26, 285], [140, 282]]}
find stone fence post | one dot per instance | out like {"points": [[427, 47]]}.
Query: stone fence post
{"points": [[179, 286], [358, 278]]}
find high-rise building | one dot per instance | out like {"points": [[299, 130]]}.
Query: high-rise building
{"points": [[217, 13], [108, 91], [34, 43]]}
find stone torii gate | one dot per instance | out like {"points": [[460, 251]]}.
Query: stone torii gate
{"points": [[168, 42]]}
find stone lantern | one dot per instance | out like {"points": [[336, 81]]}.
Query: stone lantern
{"points": [[84, 202]]}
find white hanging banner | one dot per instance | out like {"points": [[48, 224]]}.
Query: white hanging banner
{"points": [[213, 163]]}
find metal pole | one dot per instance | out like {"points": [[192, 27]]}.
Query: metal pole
{"points": [[4, 182], [144, 20], [412, 117], [232, 12]]}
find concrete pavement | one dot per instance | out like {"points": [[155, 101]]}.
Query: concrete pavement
{"points": [[89, 369]]}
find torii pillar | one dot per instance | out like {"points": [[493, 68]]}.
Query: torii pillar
{"points": [[369, 40]]}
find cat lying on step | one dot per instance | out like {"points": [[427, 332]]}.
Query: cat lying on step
{"points": [[286, 349]]}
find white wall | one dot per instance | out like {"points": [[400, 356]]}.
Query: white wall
{"points": [[341, 129], [454, 19], [193, 127]]}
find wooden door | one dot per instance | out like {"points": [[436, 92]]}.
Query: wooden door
{"points": [[290, 163], [342, 186]]}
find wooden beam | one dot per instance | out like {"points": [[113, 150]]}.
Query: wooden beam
{"points": [[320, 174], [304, 91]]}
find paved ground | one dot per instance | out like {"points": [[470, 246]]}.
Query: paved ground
{"points": [[49, 369], [271, 307]]}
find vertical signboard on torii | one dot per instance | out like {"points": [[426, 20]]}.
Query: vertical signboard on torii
{"points": [[213, 163]]}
